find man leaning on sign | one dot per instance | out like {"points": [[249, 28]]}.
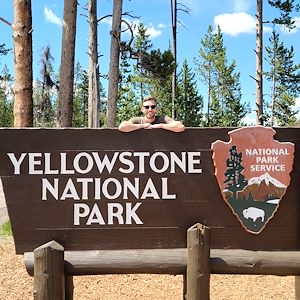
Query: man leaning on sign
{"points": [[150, 120]]}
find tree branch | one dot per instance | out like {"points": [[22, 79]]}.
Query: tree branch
{"points": [[6, 22]]}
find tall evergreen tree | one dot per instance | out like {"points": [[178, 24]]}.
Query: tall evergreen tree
{"points": [[141, 46], [284, 77], [190, 104], [81, 95], [233, 110], [224, 100], [127, 105], [204, 66]]}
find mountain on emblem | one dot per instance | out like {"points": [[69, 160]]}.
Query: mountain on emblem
{"points": [[252, 171]]}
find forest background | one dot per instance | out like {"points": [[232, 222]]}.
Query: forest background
{"points": [[218, 32]]}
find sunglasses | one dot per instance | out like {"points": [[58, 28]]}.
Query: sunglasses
{"points": [[148, 106]]}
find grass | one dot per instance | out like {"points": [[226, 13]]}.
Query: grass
{"points": [[5, 229]]}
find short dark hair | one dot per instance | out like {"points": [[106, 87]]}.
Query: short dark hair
{"points": [[149, 98]]}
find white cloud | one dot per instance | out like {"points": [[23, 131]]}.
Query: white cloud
{"points": [[152, 30], [51, 17], [235, 23]]}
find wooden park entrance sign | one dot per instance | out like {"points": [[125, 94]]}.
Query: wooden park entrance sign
{"points": [[100, 189]]}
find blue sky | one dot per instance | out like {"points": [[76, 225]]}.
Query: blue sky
{"points": [[235, 17]]}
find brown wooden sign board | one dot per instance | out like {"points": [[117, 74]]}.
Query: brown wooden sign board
{"points": [[92, 189]]}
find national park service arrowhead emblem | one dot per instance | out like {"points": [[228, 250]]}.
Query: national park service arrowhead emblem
{"points": [[253, 173]]}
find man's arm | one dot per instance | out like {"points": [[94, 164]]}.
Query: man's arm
{"points": [[175, 126], [128, 126]]}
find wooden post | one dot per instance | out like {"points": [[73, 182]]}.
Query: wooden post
{"points": [[49, 279], [198, 263], [69, 288], [184, 287], [297, 287]]}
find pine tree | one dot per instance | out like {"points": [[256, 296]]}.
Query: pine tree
{"points": [[235, 180], [141, 46], [190, 104], [81, 94], [128, 103], [162, 90], [224, 99], [284, 76], [234, 109], [204, 66]]}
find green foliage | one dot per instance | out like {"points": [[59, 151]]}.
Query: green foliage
{"points": [[284, 113], [6, 110], [190, 104], [142, 45], [80, 100], [4, 50], [5, 229], [285, 7], [158, 65], [149, 73], [6, 100], [224, 106], [284, 77], [127, 106], [162, 91]]}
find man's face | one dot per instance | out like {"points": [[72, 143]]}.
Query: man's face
{"points": [[149, 109]]}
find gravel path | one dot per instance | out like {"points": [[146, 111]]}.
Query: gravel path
{"points": [[15, 284]]}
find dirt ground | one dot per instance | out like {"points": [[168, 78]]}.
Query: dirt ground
{"points": [[16, 284]]}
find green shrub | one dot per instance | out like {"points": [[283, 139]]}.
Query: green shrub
{"points": [[5, 229]]}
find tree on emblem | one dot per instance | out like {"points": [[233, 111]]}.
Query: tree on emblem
{"points": [[235, 180]]}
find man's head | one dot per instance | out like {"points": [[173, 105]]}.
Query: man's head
{"points": [[149, 107]]}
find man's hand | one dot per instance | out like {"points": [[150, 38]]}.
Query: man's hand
{"points": [[154, 126]]}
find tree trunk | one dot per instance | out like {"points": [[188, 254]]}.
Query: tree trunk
{"points": [[259, 64], [273, 100], [65, 97], [93, 117], [22, 27], [113, 83], [174, 35]]}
